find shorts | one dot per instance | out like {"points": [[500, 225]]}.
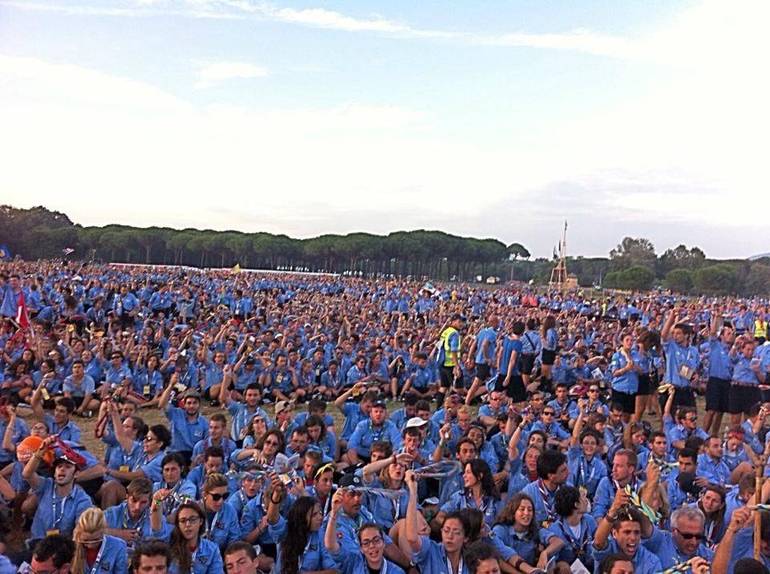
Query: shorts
{"points": [[447, 377], [548, 357], [625, 400], [645, 386], [515, 389], [482, 372], [683, 397], [528, 363], [718, 395], [742, 398]]}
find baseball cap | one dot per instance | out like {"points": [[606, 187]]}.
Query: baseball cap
{"points": [[415, 422], [281, 406], [68, 459], [379, 403], [351, 480]]}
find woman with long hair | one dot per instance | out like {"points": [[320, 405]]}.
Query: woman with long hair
{"points": [[712, 505], [323, 486], [517, 528], [302, 550], [264, 449], [191, 553], [320, 437], [478, 492], [388, 505], [221, 525], [96, 551]]}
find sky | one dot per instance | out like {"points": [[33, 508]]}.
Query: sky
{"points": [[488, 119]]}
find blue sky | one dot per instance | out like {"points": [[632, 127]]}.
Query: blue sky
{"points": [[478, 118]]}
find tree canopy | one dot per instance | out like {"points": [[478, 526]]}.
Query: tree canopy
{"points": [[40, 233]]}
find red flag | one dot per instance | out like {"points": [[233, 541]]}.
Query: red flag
{"points": [[21, 312]]}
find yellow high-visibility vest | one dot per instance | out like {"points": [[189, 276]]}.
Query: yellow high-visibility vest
{"points": [[445, 335], [760, 329]]}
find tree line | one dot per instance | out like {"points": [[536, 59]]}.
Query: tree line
{"points": [[39, 233]]}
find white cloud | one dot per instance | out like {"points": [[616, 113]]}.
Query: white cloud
{"points": [[212, 73]]}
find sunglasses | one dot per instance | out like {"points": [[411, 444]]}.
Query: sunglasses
{"points": [[217, 496], [689, 535], [549, 413]]}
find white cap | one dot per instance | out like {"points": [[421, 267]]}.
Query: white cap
{"points": [[415, 422]]}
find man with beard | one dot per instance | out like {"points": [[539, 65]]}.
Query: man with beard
{"points": [[130, 520], [61, 501]]}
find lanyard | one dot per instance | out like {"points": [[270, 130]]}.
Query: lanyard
{"points": [[449, 568], [583, 472], [95, 567], [210, 527], [137, 525], [58, 519]]}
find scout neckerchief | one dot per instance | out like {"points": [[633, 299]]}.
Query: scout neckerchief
{"points": [[546, 494], [578, 545]]}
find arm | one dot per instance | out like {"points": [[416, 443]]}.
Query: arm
{"points": [[575, 439], [739, 520], [330, 535], [412, 532], [604, 527], [9, 430], [6, 490], [224, 388], [374, 467], [125, 441], [276, 497], [156, 515], [166, 394], [340, 401], [670, 320]]}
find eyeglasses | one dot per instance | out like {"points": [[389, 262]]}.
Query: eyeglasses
{"points": [[691, 419], [593, 390], [149, 438], [376, 541], [271, 443], [217, 496], [191, 520], [690, 535]]}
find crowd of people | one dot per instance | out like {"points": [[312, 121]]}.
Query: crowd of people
{"points": [[187, 421]]}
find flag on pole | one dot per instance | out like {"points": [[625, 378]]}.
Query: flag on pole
{"points": [[236, 268], [67, 251], [5, 253]]}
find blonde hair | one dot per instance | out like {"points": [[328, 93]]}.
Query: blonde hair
{"points": [[91, 520]]}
